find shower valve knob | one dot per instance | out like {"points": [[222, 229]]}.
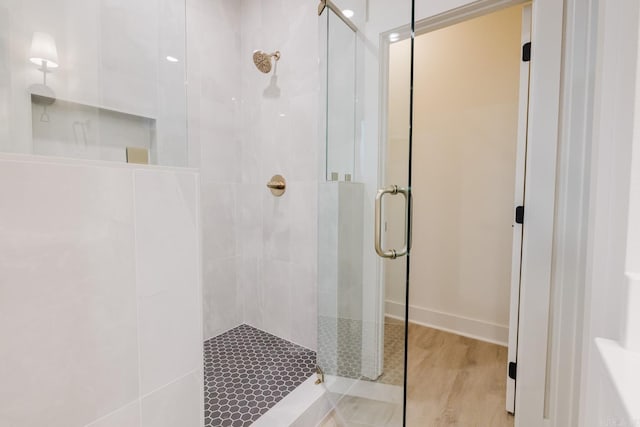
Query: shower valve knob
{"points": [[277, 185]]}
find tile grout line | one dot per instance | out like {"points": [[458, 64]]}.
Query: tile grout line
{"points": [[135, 264], [170, 383]]}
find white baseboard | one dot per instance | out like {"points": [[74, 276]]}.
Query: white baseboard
{"points": [[472, 328]]}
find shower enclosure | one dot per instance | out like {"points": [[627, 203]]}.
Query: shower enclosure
{"points": [[113, 274], [361, 333]]}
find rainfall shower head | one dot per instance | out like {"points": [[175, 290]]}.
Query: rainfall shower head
{"points": [[263, 60]]}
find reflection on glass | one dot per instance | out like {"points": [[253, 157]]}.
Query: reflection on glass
{"points": [[361, 329], [89, 79], [341, 97]]}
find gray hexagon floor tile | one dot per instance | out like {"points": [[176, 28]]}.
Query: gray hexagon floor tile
{"points": [[247, 371]]}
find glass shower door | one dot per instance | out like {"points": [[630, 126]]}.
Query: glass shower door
{"points": [[364, 203]]}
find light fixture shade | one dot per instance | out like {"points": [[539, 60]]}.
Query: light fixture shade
{"points": [[43, 49]]}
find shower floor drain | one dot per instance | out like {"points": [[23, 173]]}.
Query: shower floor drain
{"points": [[247, 371]]}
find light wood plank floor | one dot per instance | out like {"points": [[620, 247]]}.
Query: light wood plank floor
{"points": [[452, 381], [455, 381]]}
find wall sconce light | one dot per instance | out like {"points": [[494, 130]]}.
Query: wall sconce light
{"points": [[44, 53]]}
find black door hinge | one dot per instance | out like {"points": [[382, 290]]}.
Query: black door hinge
{"points": [[526, 52], [512, 370], [519, 214]]}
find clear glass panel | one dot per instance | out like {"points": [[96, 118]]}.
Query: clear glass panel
{"points": [[341, 98], [96, 79], [361, 337], [465, 148]]}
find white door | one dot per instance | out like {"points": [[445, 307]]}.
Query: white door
{"points": [[519, 209]]}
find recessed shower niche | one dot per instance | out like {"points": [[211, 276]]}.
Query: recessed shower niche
{"points": [[69, 129]]}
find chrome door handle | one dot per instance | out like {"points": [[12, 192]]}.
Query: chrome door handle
{"points": [[392, 253]]}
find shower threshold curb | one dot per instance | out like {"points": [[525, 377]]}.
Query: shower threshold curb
{"points": [[304, 406]]}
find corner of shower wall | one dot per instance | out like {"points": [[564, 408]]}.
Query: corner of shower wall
{"points": [[276, 236], [259, 251], [213, 72]]}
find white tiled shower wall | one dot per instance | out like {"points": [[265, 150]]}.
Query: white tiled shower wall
{"points": [[100, 303], [259, 251], [212, 103], [109, 321]]}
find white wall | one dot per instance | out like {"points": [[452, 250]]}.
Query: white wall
{"points": [[100, 300], [464, 153]]}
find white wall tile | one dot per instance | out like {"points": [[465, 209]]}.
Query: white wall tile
{"points": [[222, 310], [219, 220], [170, 336], [276, 226], [251, 290], [179, 404], [303, 222], [167, 251], [249, 219], [67, 293], [214, 118], [304, 305], [279, 136], [276, 283], [304, 134], [246, 135], [219, 147], [68, 235], [166, 231]]}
